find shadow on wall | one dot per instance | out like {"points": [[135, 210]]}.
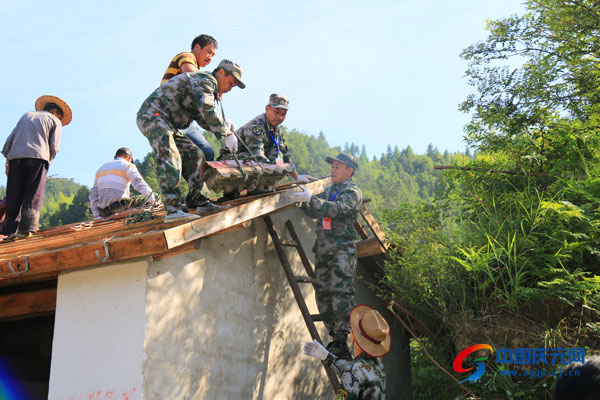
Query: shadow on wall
{"points": [[221, 322]]}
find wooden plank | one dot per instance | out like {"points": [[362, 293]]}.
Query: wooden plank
{"points": [[48, 264], [372, 223], [234, 228], [369, 247], [27, 304], [187, 247], [205, 226]]}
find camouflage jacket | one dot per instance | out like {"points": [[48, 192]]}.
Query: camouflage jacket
{"points": [[187, 97], [340, 202], [360, 379], [260, 138]]}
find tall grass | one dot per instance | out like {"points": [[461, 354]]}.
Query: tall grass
{"points": [[493, 245]]}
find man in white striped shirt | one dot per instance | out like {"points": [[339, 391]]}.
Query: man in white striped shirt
{"points": [[110, 193]]}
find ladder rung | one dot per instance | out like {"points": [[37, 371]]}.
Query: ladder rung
{"points": [[304, 279], [289, 243], [316, 317]]}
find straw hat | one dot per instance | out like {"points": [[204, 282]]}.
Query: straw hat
{"points": [[41, 102], [370, 331]]}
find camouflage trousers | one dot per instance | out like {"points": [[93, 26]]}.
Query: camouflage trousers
{"points": [[361, 378], [177, 157], [334, 289]]}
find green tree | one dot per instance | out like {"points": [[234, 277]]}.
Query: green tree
{"points": [[77, 211], [544, 104], [512, 259]]}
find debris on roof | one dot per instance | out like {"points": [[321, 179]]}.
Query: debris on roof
{"points": [[228, 176]]}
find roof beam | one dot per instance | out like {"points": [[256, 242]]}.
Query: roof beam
{"points": [[213, 223], [48, 264], [27, 304]]}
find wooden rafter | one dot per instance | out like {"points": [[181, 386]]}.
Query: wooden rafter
{"points": [[27, 304], [203, 227]]}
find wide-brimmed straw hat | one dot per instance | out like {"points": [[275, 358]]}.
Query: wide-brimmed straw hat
{"points": [[42, 101], [371, 332]]}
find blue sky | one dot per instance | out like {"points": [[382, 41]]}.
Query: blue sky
{"points": [[374, 73]]}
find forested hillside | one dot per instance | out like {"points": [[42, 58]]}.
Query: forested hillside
{"points": [[395, 177]]}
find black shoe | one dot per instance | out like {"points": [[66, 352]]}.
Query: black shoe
{"points": [[190, 204], [229, 196], [209, 206]]}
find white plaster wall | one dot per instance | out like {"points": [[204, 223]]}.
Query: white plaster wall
{"points": [[99, 332], [221, 323]]}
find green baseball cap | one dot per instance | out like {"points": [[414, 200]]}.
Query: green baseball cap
{"points": [[344, 158], [235, 70], [279, 101]]}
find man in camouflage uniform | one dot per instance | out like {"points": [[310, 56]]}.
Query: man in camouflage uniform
{"points": [[364, 377], [170, 109], [334, 248], [264, 137]]}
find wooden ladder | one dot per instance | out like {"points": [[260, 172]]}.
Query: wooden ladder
{"points": [[293, 280]]}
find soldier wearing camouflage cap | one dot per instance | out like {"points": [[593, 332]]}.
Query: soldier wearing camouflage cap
{"points": [[170, 109], [335, 250], [264, 137]]}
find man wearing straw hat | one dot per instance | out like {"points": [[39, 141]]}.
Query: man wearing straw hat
{"points": [[29, 150], [362, 378], [335, 249]]}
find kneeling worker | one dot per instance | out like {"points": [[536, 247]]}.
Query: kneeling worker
{"points": [[110, 194], [362, 378]]}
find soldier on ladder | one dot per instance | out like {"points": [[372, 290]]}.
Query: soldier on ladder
{"points": [[334, 248]]}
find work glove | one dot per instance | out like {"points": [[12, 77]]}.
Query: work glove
{"points": [[231, 143], [302, 196], [315, 349], [229, 124], [305, 179]]}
